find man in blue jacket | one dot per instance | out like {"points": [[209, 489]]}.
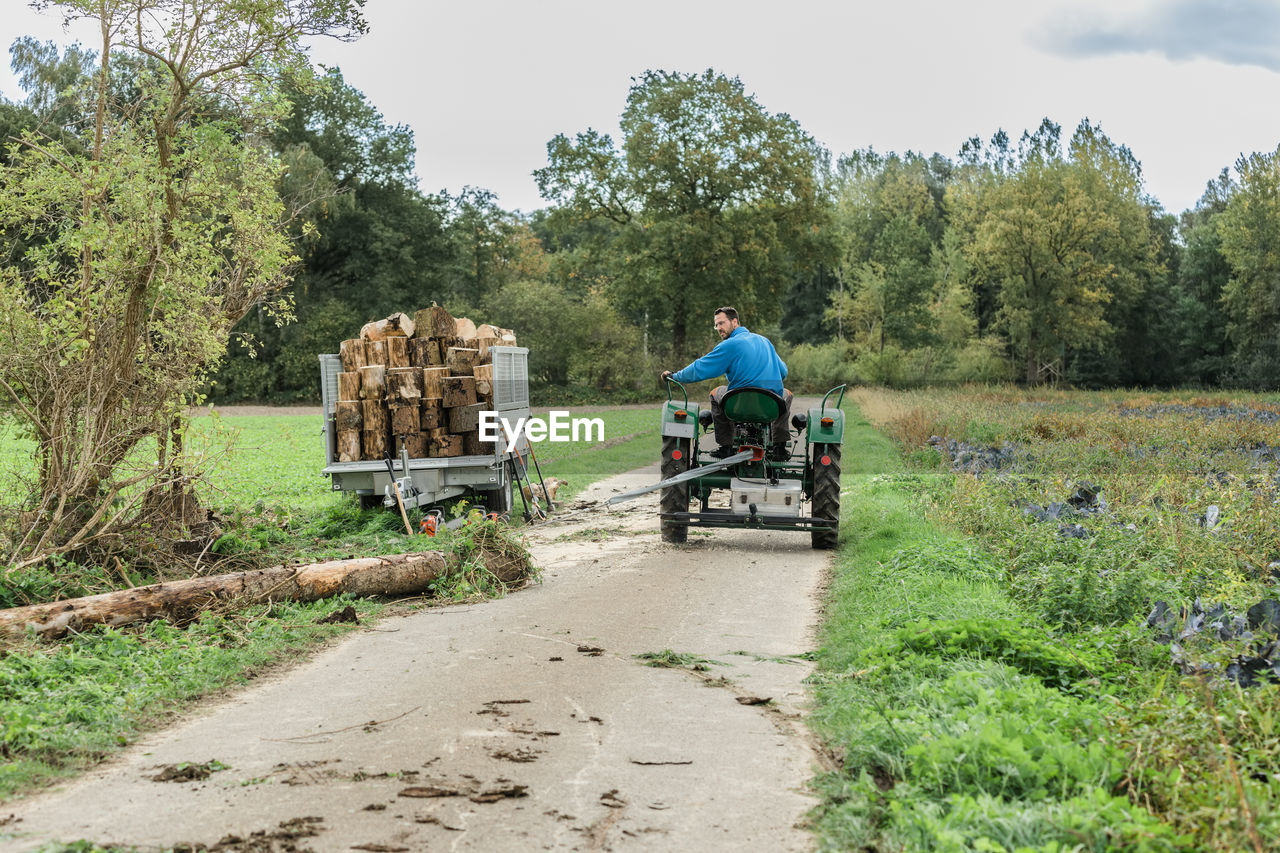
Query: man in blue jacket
{"points": [[746, 360]]}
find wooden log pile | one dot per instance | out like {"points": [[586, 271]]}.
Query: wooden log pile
{"points": [[423, 379]]}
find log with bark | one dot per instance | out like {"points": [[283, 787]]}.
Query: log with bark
{"points": [[435, 322], [473, 446], [464, 419], [374, 446], [461, 361], [398, 325], [424, 352], [352, 355], [459, 391], [349, 386], [397, 352], [464, 328], [349, 445], [347, 415], [180, 601], [431, 414], [441, 443], [404, 419], [375, 352], [416, 445], [433, 382], [373, 382], [404, 384]]}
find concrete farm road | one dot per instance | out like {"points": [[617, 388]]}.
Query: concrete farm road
{"points": [[526, 723]]}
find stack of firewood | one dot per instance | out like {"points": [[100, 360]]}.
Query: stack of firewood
{"points": [[423, 380]]}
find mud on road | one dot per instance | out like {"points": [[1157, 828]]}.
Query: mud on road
{"points": [[531, 722]]}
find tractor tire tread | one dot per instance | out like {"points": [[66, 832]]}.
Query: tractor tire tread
{"points": [[826, 495]]}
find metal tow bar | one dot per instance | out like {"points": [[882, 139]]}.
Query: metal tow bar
{"points": [[691, 474]]}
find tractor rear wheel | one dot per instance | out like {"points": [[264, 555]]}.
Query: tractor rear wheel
{"points": [[675, 460], [826, 493]]}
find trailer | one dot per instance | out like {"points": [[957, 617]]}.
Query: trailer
{"points": [[488, 478]]}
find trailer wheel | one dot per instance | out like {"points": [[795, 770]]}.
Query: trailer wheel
{"points": [[675, 460], [826, 493], [499, 500]]}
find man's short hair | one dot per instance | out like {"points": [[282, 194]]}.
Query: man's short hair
{"points": [[730, 313]]}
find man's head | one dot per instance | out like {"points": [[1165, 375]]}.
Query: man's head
{"points": [[726, 321]]}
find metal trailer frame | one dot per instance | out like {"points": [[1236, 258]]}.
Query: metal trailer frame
{"points": [[487, 477]]}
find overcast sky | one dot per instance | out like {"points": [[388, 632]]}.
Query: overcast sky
{"points": [[1188, 85]]}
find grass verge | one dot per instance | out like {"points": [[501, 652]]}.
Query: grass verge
{"points": [[958, 724], [67, 705]]}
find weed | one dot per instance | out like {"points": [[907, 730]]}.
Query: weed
{"points": [[668, 659]]}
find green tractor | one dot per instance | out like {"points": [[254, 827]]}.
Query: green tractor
{"points": [[764, 493]]}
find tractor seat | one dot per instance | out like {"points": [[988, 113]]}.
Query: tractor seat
{"points": [[752, 406]]}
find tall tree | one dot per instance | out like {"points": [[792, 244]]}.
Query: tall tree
{"points": [[1197, 325], [1062, 235], [714, 200], [369, 242], [163, 228], [1250, 233]]}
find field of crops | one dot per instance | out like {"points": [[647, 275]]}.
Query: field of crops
{"points": [[1055, 626]]}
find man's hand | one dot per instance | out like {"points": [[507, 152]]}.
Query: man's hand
{"points": [[666, 374]]}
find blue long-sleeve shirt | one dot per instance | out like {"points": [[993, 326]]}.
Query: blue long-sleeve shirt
{"points": [[746, 359]]}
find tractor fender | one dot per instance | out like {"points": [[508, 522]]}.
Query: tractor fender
{"points": [[825, 433], [675, 426]]}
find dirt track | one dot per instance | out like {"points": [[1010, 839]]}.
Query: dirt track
{"points": [[516, 724]]}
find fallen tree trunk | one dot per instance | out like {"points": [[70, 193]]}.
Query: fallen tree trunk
{"points": [[401, 574]]}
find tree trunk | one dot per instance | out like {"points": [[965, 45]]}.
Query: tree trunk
{"points": [[402, 574]]}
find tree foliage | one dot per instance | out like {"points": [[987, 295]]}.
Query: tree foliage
{"points": [[711, 200], [1062, 235], [1249, 229], [144, 244]]}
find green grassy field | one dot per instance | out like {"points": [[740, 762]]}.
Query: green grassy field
{"points": [[988, 677], [65, 705]]}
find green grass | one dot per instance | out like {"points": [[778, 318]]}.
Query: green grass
{"points": [[959, 724], [65, 705], [1195, 751]]}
